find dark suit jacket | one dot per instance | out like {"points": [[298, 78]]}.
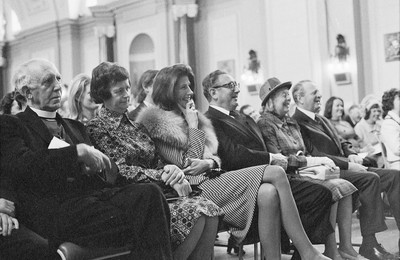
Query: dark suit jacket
{"points": [[134, 113], [323, 143], [43, 178], [240, 141]]}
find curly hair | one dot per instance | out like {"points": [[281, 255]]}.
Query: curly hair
{"points": [[388, 99], [165, 84], [104, 76], [329, 107]]}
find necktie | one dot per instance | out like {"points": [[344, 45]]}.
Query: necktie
{"points": [[234, 114]]}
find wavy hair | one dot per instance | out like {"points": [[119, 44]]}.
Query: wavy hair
{"points": [[104, 76], [388, 99], [165, 84], [77, 88]]}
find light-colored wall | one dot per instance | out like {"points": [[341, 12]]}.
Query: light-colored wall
{"points": [[293, 39], [383, 18]]}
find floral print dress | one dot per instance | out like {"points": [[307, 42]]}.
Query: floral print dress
{"points": [[130, 147]]}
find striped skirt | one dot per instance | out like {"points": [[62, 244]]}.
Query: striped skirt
{"points": [[235, 192]]}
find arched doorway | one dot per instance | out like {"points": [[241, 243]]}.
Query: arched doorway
{"points": [[141, 58]]}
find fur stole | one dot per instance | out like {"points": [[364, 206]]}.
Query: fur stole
{"points": [[172, 129]]}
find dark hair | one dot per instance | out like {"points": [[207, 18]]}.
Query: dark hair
{"points": [[8, 99], [104, 76], [329, 106], [368, 111], [209, 82], [388, 99], [145, 80], [165, 83]]}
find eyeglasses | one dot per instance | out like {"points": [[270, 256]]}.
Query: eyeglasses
{"points": [[231, 85]]}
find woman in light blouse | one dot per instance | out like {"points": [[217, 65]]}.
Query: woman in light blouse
{"points": [[390, 129]]}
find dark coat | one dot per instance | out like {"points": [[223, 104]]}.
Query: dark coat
{"points": [[240, 141], [43, 178], [323, 142]]}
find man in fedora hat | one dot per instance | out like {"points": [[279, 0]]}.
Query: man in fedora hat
{"points": [[321, 139], [241, 145]]}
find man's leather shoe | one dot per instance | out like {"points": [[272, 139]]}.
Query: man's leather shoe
{"points": [[376, 252]]}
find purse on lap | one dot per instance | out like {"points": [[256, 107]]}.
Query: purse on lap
{"points": [[322, 172]]}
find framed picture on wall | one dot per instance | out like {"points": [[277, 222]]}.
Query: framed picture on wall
{"points": [[227, 66], [392, 46], [343, 78]]}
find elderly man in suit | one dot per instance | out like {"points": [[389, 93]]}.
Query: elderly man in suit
{"points": [[58, 177], [241, 145], [321, 139]]}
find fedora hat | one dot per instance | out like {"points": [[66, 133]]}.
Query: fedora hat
{"points": [[271, 86]]}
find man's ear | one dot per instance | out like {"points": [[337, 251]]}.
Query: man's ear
{"points": [[27, 91], [213, 93]]}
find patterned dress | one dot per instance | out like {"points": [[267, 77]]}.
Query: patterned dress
{"points": [[234, 191], [284, 136], [130, 147]]}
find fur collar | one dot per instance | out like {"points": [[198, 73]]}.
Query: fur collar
{"points": [[171, 128]]}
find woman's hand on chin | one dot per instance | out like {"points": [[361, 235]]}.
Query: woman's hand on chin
{"points": [[191, 114]]}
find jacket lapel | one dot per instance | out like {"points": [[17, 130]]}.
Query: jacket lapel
{"points": [[240, 125], [313, 126], [75, 137], [34, 122], [330, 131]]}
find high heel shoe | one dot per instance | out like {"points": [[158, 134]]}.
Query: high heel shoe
{"points": [[350, 257], [232, 245]]}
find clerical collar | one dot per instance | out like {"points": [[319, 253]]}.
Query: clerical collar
{"points": [[308, 113], [44, 114], [220, 109]]}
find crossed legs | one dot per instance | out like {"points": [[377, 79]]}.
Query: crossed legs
{"points": [[276, 202]]}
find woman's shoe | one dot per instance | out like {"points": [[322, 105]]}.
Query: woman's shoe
{"points": [[350, 257], [232, 245]]}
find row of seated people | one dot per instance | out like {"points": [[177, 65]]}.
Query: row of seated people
{"points": [[362, 126], [365, 128], [173, 145]]}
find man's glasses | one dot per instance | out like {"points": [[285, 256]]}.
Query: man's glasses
{"points": [[231, 85]]}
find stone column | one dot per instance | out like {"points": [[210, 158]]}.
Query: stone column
{"points": [[104, 31], [182, 10]]}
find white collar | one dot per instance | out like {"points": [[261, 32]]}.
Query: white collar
{"points": [[220, 109], [308, 113], [42, 113]]}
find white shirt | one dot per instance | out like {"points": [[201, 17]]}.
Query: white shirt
{"points": [[308, 113]]}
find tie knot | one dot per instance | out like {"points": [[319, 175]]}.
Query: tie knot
{"points": [[233, 113]]}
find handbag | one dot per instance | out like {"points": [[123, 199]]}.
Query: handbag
{"points": [[322, 172]]}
